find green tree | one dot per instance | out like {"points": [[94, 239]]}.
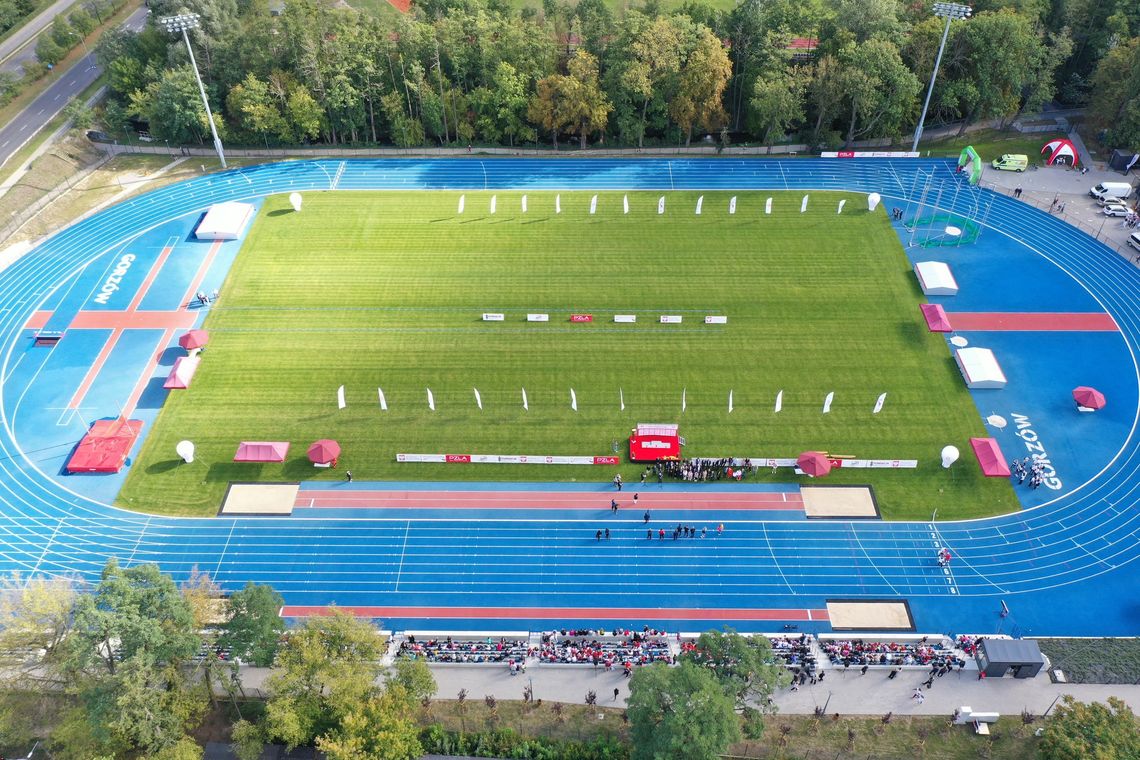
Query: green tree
{"points": [[743, 665], [251, 105], [657, 53], [880, 90], [415, 678], [679, 712], [382, 728], [324, 671], [1115, 103], [587, 108], [1096, 731], [254, 627], [704, 77], [777, 104]]}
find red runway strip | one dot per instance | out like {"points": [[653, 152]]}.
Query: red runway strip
{"points": [[93, 370], [331, 499], [1031, 322], [38, 320], [559, 613], [155, 268], [137, 320]]}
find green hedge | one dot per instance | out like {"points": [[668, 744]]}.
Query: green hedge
{"points": [[505, 742]]}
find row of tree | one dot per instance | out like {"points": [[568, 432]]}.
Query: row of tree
{"points": [[462, 71]]}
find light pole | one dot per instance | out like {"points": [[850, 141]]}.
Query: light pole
{"points": [[948, 11], [181, 23], [83, 42]]}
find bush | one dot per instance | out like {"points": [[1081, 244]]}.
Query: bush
{"points": [[504, 742]]}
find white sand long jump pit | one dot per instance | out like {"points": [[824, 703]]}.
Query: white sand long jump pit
{"points": [[260, 499], [839, 502], [870, 616]]}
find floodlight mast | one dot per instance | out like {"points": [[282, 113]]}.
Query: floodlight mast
{"points": [[181, 23], [948, 11]]}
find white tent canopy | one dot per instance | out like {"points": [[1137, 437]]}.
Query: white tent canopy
{"points": [[935, 278], [979, 368], [224, 221]]}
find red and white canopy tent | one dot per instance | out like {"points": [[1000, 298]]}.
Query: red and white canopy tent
{"points": [[990, 458], [262, 451], [182, 372], [814, 463], [652, 441], [324, 451]]}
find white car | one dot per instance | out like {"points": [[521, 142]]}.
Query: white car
{"points": [[1115, 209], [1109, 200]]}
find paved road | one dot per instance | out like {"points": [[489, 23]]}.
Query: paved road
{"points": [[55, 98], [27, 33]]}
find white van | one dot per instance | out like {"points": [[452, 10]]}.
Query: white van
{"points": [[1111, 190], [1134, 240]]}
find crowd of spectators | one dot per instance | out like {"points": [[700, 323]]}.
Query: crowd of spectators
{"points": [[794, 651], [858, 652], [621, 648], [450, 650], [702, 470]]}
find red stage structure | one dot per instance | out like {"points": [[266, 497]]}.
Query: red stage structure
{"points": [[653, 441], [105, 447]]}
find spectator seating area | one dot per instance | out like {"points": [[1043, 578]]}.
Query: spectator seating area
{"points": [[627, 648]]}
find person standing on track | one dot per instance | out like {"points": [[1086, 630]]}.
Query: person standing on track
{"points": [[646, 516]]}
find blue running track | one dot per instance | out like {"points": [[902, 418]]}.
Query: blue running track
{"points": [[1063, 565]]}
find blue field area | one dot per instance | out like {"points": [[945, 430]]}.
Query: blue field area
{"points": [[1063, 565]]}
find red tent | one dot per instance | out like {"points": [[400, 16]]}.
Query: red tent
{"points": [[990, 457], [182, 372], [105, 447], [653, 441], [324, 451], [194, 339], [813, 463], [936, 319], [1089, 398], [262, 451]]}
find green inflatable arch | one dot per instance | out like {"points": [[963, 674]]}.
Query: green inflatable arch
{"points": [[970, 163]]}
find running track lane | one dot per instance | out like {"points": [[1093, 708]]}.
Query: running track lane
{"points": [[329, 499], [560, 613]]}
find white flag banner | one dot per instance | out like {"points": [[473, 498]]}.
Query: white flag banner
{"points": [[827, 402], [779, 401], [803, 205], [526, 407], [573, 400], [879, 403], [840, 209], [684, 401], [621, 399], [730, 402], [431, 400], [732, 205], [340, 398], [478, 399], [462, 203], [661, 205], [383, 401], [494, 202], [700, 202], [593, 204], [625, 203], [768, 206], [524, 204], [558, 204]]}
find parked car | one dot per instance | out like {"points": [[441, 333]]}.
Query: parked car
{"points": [[1116, 209], [1109, 200], [1111, 190]]}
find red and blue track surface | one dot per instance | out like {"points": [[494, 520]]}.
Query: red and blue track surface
{"points": [[499, 556]]}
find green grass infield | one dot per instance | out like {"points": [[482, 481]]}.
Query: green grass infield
{"points": [[387, 289]]}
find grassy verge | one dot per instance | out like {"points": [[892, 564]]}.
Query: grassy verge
{"points": [[785, 736], [991, 144], [390, 296], [1115, 661]]}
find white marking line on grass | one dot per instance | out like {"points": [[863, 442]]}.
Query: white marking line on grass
{"points": [[222, 556], [775, 561], [138, 541], [403, 550], [43, 554]]}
